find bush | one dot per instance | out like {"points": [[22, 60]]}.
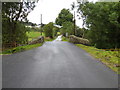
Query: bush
{"points": [[48, 30], [55, 30], [11, 35], [68, 27]]}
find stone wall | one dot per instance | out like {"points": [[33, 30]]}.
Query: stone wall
{"points": [[78, 40], [39, 40]]}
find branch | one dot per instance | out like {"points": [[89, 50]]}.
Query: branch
{"points": [[20, 10]]}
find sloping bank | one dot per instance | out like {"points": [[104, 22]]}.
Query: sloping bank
{"points": [[109, 58]]}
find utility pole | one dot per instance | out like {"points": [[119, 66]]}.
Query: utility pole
{"points": [[74, 21], [74, 24], [41, 24]]}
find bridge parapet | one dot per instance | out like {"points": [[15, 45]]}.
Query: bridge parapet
{"points": [[78, 40], [39, 40]]}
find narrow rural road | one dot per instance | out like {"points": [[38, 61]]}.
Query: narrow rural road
{"points": [[56, 64]]}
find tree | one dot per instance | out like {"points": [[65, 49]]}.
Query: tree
{"points": [[17, 10], [64, 15], [102, 21], [12, 14], [48, 30], [55, 30], [68, 27], [80, 32]]}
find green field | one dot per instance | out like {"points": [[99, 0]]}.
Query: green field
{"points": [[109, 58], [33, 35]]}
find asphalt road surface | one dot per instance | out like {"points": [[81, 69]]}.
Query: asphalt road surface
{"points": [[56, 64]]}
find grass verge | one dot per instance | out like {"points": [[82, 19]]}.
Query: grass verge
{"points": [[20, 48], [109, 58]]}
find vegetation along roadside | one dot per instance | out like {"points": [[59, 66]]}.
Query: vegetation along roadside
{"points": [[20, 48], [109, 58]]}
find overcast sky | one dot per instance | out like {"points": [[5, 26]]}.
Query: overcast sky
{"points": [[50, 10]]}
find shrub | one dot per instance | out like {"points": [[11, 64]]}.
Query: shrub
{"points": [[48, 29]]}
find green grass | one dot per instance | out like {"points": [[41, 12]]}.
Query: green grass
{"points": [[33, 35], [20, 48], [109, 58]]}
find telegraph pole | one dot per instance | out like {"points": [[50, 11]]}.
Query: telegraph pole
{"points": [[74, 21], [41, 24], [74, 24]]}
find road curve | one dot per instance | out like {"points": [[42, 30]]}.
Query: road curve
{"points": [[56, 64]]}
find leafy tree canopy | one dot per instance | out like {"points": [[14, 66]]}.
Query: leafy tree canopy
{"points": [[64, 16], [48, 29], [102, 20], [13, 13]]}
